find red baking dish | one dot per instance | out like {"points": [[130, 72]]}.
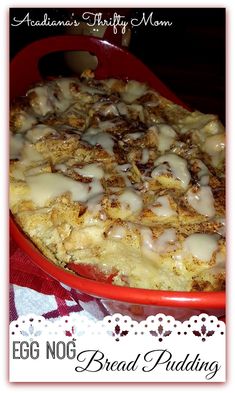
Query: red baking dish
{"points": [[119, 63]]}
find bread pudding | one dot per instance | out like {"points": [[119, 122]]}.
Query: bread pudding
{"points": [[111, 175]]}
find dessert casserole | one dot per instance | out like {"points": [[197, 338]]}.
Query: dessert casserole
{"points": [[111, 175]]}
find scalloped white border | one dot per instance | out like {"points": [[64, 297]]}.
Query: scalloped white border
{"points": [[119, 326]]}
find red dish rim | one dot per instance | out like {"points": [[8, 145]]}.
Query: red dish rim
{"points": [[195, 300]]}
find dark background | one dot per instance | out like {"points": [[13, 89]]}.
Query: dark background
{"points": [[189, 56]]}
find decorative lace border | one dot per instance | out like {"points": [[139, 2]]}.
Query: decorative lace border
{"points": [[118, 326]]}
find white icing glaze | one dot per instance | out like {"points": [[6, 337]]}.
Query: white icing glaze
{"points": [[41, 104], [150, 104], [38, 132], [29, 154], [90, 90], [202, 201], [106, 125], [124, 167], [47, 186], [209, 132], [18, 172], [105, 140], [134, 135], [61, 167], [164, 243], [164, 210], [121, 169], [178, 257], [90, 170], [27, 121], [203, 173], [136, 109], [110, 110], [166, 136], [204, 180], [178, 166], [122, 108], [147, 239], [133, 91], [95, 188], [195, 121], [145, 156], [161, 169], [222, 229], [214, 126], [50, 185], [201, 245], [16, 145], [65, 97], [131, 200], [61, 105], [220, 259], [20, 146], [35, 170], [95, 136], [214, 146], [126, 180], [94, 203], [65, 85], [117, 232], [114, 190]]}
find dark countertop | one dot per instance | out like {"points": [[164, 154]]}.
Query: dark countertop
{"points": [[190, 56]]}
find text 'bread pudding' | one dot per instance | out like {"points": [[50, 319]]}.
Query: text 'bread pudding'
{"points": [[111, 174]]}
